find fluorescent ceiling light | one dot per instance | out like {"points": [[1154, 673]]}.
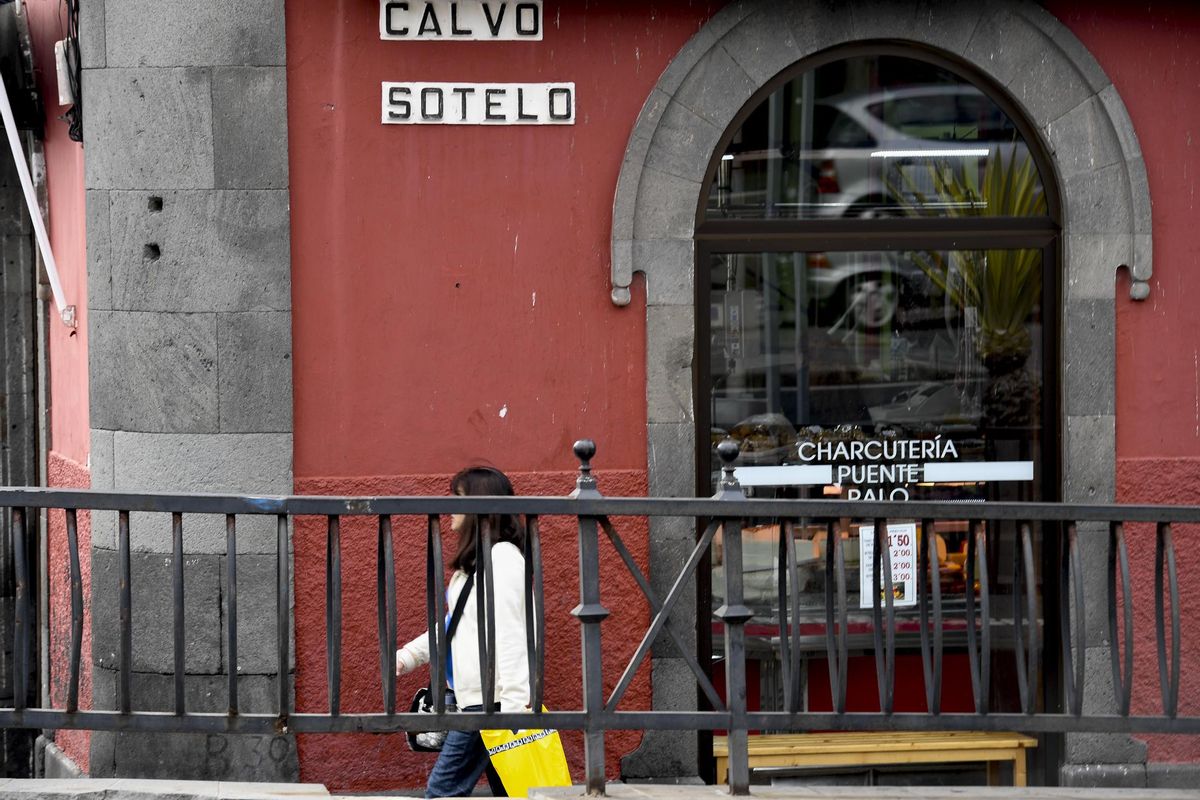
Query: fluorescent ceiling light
{"points": [[950, 153]]}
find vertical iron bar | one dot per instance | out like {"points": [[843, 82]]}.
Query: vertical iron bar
{"points": [[385, 586], [333, 612], [282, 611], [1025, 651], [797, 685], [923, 579], [1067, 554], [1034, 644], [76, 610], [21, 622], [590, 614], [177, 583], [782, 569], [125, 611], [843, 662], [535, 620], [487, 652], [884, 626], [1080, 619], [977, 567], [1119, 551], [830, 632], [734, 614], [1168, 676], [435, 612], [231, 608]]}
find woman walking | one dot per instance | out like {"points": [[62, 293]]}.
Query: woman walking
{"points": [[463, 757]]}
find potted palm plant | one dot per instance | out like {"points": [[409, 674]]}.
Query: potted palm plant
{"points": [[995, 290]]}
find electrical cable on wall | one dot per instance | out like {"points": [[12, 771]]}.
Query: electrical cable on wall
{"points": [[74, 115]]}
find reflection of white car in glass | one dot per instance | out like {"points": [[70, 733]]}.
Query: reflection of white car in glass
{"points": [[862, 289], [863, 141], [864, 148]]}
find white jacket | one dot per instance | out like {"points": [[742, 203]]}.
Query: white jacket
{"points": [[512, 660]]}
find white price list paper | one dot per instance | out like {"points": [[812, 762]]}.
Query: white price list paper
{"points": [[902, 542]]}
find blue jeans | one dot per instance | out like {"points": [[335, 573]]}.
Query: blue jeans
{"points": [[462, 760]]}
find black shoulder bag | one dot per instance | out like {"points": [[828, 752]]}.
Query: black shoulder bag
{"points": [[422, 702]]}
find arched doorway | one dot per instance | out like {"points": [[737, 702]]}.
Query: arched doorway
{"points": [[877, 291], [1070, 106]]}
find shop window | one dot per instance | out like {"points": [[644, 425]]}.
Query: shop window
{"points": [[876, 260]]}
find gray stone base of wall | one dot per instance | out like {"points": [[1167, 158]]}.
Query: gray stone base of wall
{"points": [[55, 764]]}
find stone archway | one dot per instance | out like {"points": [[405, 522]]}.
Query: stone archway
{"points": [[1097, 164]]}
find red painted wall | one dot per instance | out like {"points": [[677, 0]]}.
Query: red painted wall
{"points": [[70, 434], [69, 431], [451, 283], [451, 304], [1152, 53]]}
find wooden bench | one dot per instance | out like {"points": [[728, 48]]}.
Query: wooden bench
{"points": [[854, 749]]}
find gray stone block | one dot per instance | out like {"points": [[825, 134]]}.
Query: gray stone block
{"points": [[1074, 51], [666, 754], [101, 460], [669, 265], [698, 46], [1092, 260], [1098, 201], [716, 88], [1083, 139], [202, 694], [683, 144], [667, 206], [58, 765], [1017, 54], [151, 586], [254, 350], [622, 270], [942, 23], [1139, 193], [671, 454], [1089, 359], [172, 33], [817, 25], [213, 757], [223, 463], [203, 251], [258, 648], [1125, 776], [14, 218], [148, 129], [1098, 698], [153, 372], [1173, 776], [1093, 556], [669, 356], [1118, 117], [91, 34], [99, 251], [1090, 466], [763, 43], [250, 127], [667, 560]]}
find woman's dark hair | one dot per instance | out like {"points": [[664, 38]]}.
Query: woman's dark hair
{"points": [[485, 481]]}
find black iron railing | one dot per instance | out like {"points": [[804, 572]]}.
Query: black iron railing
{"points": [[1026, 627]]}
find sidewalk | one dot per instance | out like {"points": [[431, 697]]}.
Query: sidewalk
{"points": [[133, 789]]}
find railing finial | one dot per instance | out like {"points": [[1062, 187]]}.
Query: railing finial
{"points": [[585, 451], [728, 450]]}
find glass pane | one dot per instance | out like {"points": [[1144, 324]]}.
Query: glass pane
{"points": [[876, 375], [876, 135]]}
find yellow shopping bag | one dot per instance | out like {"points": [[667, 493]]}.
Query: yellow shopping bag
{"points": [[527, 759]]}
